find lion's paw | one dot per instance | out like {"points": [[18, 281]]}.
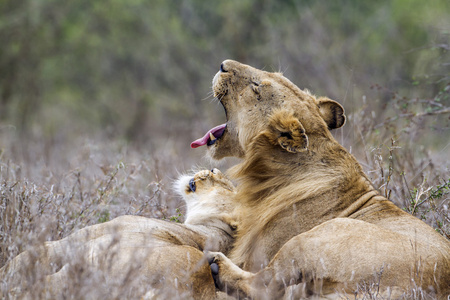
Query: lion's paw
{"points": [[216, 263], [227, 276]]}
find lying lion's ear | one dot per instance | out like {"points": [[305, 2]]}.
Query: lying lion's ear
{"points": [[332, 112], [287, 131]]}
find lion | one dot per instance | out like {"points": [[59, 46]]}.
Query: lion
{"points": [[307, 213], [156, 258]]}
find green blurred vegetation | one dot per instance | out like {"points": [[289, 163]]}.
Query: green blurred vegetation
{"points": [[139, 69]]}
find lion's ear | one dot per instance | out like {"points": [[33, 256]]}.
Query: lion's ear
{"points": [[286, 131], [332, 112]]}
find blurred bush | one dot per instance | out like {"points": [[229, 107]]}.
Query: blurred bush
{"points": [[139, 69]]}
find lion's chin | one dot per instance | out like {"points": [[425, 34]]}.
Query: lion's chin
{"points": [[224, 147]]}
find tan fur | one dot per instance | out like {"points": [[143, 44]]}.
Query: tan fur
{"points": [[163, 259], [297, 184]]}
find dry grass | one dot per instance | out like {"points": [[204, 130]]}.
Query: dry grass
{"points": [[88, 184], [405, 153]]}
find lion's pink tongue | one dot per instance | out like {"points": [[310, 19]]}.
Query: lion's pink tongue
{"points": [[217, 132]]}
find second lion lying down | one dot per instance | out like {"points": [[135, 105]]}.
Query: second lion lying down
{"points": [[150, 257]]}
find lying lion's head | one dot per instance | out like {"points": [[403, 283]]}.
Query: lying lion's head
{"points": [[206, 193], [251, 96], [204, 182]]}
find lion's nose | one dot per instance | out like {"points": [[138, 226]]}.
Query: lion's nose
{"points": [[192, 186], [222, 68]]}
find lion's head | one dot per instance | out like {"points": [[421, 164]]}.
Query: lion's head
{"points": [[206, 193], [250, 96]]}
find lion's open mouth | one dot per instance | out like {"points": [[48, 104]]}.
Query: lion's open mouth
{"points": [[214, 134], [210, 137]]}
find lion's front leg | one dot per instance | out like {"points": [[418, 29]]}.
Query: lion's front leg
{"points": [[228, 277], [234, 281]]}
